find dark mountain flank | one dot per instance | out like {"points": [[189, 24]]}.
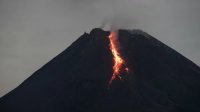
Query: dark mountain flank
{"points": [[159, 79]]}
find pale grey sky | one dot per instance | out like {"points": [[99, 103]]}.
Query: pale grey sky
{"points": [[34, 31]]}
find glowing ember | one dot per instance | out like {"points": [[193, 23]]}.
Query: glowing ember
{"points": [[118, 61], [126, 69]]}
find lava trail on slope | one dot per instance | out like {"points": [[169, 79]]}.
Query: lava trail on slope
{"points": [[117, 58]]}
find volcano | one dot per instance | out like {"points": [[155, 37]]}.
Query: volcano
{"points": [[158, 79]]}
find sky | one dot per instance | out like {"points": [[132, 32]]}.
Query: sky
{"points": [[32, 32]]}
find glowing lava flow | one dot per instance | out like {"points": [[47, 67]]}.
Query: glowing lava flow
{"points": [[118, 61]]}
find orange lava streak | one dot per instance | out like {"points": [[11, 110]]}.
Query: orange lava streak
{"points": [[118, 61]]}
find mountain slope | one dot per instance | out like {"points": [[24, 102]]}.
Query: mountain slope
{"points": [[159, 79]]}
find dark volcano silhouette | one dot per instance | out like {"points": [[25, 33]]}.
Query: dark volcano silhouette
{"points": [[159, 79]]}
